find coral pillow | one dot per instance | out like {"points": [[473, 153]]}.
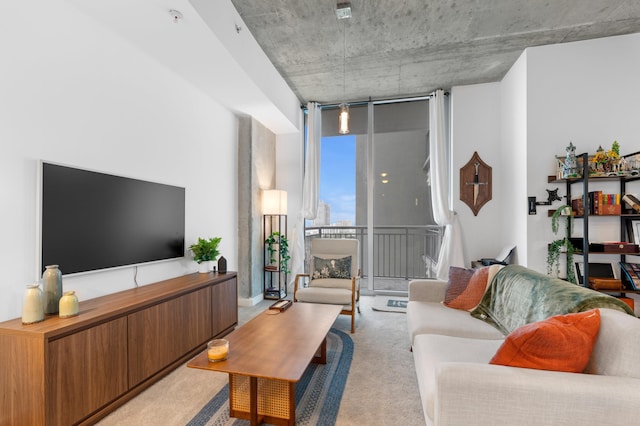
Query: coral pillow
{"points": [[559, 343], [467, 286]]}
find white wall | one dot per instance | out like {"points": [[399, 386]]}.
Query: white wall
{"points": [[587, 93], [475, 126], [513, 148], [73, 93], [584, 92]]}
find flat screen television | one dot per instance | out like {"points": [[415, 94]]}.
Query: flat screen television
{"points": [[92, 221]]}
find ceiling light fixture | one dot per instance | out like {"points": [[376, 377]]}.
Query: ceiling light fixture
{"points": [[343, 10], [343, 119], [343, 115]]}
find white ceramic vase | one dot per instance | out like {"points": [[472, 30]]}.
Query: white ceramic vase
{"points": [[69, 305], [52, 288], [32, 305]]}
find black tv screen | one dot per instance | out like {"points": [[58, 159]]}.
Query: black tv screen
{"points": [[93, 221]]}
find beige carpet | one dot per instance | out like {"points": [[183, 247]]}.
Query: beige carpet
{"points": [[381, 388]]}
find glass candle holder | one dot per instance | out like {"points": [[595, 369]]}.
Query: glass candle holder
{"points": [[217, 350]]}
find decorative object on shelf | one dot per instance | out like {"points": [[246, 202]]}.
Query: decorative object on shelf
{"points": [[69, 305], [32, 304], [222, 265], [559, 246], [631, 164], [570, 167], [475, 183], [606, 163], [52, 288], [282, 260], [205, 251], [632, 201]]}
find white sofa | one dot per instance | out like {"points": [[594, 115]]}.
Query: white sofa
{"points": [[458, 386]]}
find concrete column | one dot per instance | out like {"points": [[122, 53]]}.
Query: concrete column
{"points": [[256, 171]]}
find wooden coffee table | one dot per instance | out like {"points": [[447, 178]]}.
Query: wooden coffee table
{"points": [[268, 356]]}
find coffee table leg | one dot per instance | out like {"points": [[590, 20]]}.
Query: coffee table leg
{"points": [[322, 358], [253, 400]]}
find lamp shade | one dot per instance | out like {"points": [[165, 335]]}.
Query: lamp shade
{"points": [[274, 201]]}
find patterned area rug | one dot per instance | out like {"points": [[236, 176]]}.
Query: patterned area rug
{"points": [[390, 304], [318, 393]]}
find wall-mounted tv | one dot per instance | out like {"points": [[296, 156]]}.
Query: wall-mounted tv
{"points": [[92, 221]]}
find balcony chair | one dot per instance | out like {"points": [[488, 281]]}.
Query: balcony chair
{"points": [[334, 277]]}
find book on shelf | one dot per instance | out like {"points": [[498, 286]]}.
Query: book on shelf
{"points": [[577, 205], [602, 204], [630, 273], [632, 201]]}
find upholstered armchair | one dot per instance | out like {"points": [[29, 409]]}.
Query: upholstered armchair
{"points": [[334, 277]]}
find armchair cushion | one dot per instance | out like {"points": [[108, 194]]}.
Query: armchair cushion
{"points": [[331, 267], [333, 283], [332, 296]]}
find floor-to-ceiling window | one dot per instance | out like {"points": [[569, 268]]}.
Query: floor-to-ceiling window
{"points": [[374, 187]]}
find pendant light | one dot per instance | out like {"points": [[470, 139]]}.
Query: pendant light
{"points": [[343, 115], [343, 119]]}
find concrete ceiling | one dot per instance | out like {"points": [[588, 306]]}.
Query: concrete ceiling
{"points": [[398, 48]]}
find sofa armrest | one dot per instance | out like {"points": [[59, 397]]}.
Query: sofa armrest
{"points": [[486, 394], [427, 290]]}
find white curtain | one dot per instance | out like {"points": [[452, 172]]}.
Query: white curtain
{"points": [[310, 186], [451, 251]]}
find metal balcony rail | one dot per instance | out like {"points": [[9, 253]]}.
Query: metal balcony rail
{"points": [[402, 252]]}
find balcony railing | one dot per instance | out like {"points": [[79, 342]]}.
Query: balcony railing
{"points": [[399, 252]]}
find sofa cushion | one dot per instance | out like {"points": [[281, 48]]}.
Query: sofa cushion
{"points": [[467, 286], [429, 350], [559, 343], [617, 347], [435, 318]]}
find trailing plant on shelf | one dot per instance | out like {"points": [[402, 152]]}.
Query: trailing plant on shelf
{"points": [[205, 250], [283, 250], [557, 247]]}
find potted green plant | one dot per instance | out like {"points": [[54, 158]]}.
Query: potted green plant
{"points": [[557, 247], [275, 238], [204, 251]]}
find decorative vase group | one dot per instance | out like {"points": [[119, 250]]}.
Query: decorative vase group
{"points": [[49, 300]]}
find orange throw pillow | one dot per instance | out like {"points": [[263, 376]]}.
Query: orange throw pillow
{"points": [[466, 287], [559, 343]]}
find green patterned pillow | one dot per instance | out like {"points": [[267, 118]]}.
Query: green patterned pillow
{"points": [[331, 268]]}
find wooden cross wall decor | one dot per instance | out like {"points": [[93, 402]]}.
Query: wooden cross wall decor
{"points": [[475, 183]]}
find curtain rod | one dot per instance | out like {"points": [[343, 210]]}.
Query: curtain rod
{"points": [[376, 102]]}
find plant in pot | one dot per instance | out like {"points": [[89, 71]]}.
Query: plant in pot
{"points": [[283, 252], [205, 251], [559, 246]]}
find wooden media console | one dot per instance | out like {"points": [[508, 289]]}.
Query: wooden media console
{"points": [[65, 371]]}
